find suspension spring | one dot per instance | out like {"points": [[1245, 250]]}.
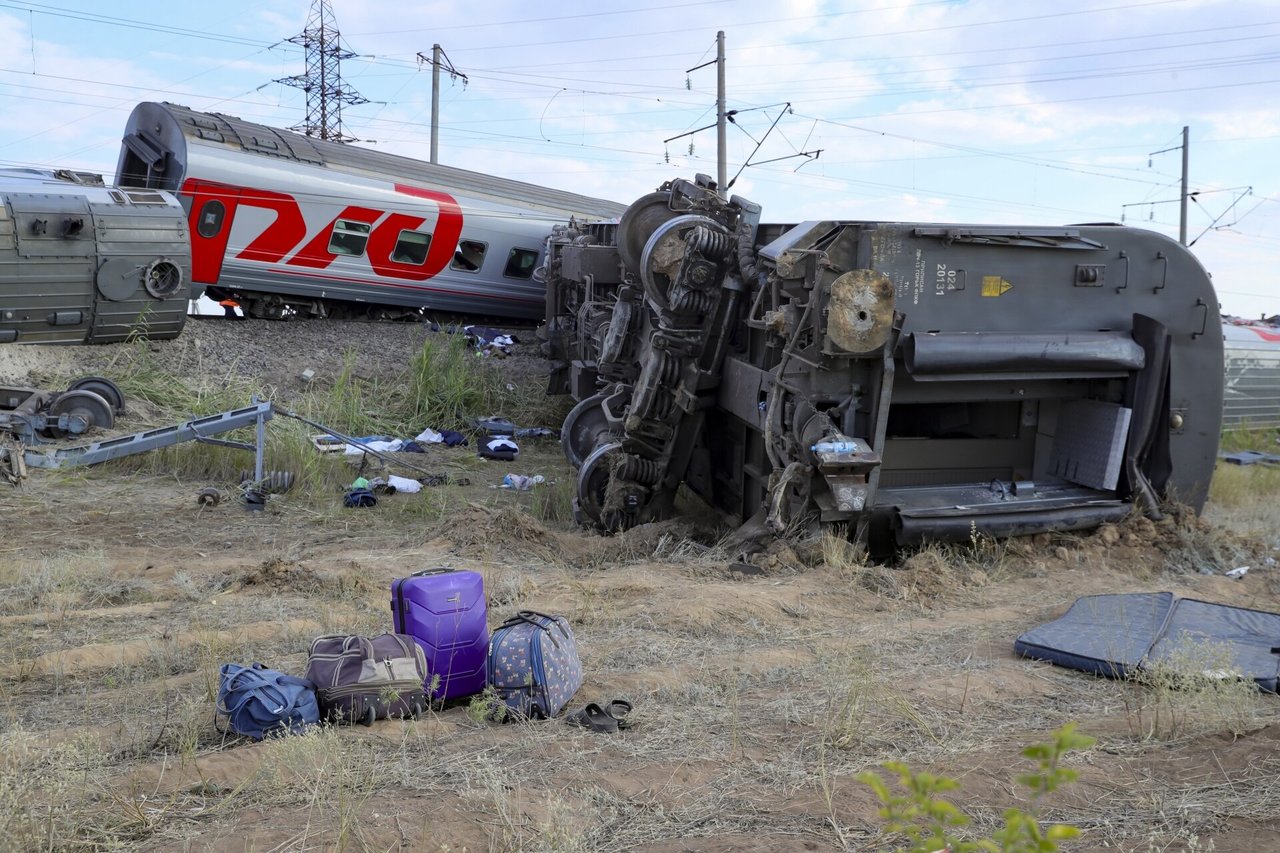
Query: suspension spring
{"points": [[646, 471], [692, 302], [711, 244], [669, 369]]}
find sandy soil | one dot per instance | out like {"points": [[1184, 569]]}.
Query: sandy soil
{"points": [[762, 687]]}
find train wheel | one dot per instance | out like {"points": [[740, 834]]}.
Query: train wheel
{"points": [[266, 308], [638, 223], [95, 410], [611, 504], [664, 251], [104, 388], [582, 429]]}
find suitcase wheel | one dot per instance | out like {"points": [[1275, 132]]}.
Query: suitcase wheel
{"points": [[416, 709], [370, 714]]}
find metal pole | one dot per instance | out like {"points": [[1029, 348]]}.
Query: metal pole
{"points": [[259, 448], [435, 103], [722, 162], [1182, 222]]}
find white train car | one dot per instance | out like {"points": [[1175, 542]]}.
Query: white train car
{"points": [[283, 222], [1252, 394], [81, 262]]}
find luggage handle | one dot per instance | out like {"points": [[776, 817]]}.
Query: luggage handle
{"points": [[366, 646], [528, 616], [346, 643], [441, 570]]}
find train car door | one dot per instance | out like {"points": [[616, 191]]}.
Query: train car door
{"points": [[212, 208]]}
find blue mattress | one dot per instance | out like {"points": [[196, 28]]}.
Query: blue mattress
{"points": [[1112, 635]]}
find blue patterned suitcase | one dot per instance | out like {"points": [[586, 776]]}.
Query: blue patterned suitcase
{"points": [[445, 611], [533, 665]]}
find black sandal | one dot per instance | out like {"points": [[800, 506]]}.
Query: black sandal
{"points": [[593, 718], [620, 711]]}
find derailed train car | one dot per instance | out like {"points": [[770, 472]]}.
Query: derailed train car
{"points": [[81, 262], [286, 224], [1252, 393], [906, 381]]}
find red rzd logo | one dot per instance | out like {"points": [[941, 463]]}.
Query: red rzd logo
{"points": [[288, 232]]}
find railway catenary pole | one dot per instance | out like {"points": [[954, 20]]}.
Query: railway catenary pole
{"points": [[1182, 221], [722, 161], [435, 104]]}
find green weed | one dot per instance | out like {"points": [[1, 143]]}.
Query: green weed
{"points": [[931, 823]]}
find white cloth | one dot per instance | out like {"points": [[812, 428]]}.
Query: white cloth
{"points": [[404, 484], [429, 436], [381, 446]]}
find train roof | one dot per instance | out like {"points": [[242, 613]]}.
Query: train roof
{"points": [[1251, 333], [86, 185], [155, 129]]}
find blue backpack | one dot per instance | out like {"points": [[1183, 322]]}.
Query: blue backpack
{"points": [[259, 702]]}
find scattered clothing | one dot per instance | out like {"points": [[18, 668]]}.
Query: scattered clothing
{"points": [[490, 341], [521, 483], [453, 438], [404, 484], [381, 446], [429, 436], [499, 447], [412, 447], [359, 499]]}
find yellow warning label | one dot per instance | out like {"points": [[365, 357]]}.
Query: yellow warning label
{"points": [[994, 285]]}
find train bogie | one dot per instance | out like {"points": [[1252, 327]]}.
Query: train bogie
{"points": [[907, 381], [81, 262]]}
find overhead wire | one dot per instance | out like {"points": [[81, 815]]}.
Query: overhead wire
{"points": [[974, 152]]}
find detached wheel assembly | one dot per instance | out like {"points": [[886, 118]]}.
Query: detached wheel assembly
{"points": [[88, 405], [104, 388]]}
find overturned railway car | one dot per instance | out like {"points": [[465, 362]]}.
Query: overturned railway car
{"points": [[289, 224], [906, 381], [81, 262]]}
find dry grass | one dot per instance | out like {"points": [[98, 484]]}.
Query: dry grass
{"points": [[761, 688], [1195, 690]]}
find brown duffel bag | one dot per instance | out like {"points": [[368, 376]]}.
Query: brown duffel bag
{"points": [[362, 679]]}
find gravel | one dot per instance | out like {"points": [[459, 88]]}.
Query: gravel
{"points": [[276, 352]]}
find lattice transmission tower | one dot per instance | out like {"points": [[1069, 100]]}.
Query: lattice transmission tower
{"points": [[326, 93]]}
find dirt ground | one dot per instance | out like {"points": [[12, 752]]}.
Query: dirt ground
{"points": [[761, 686]]}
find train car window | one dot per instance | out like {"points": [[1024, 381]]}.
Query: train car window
{"points": [[349, 237], [469, 256], [211, 216], [411, 248], [520, 263]]}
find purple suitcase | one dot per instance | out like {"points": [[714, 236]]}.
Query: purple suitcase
{"points": [[445, 611]]}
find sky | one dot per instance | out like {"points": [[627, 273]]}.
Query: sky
{"points": [[1043, 112]]}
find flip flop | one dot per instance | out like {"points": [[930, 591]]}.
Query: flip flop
{"points": [[620, 710], [593, 718]]}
